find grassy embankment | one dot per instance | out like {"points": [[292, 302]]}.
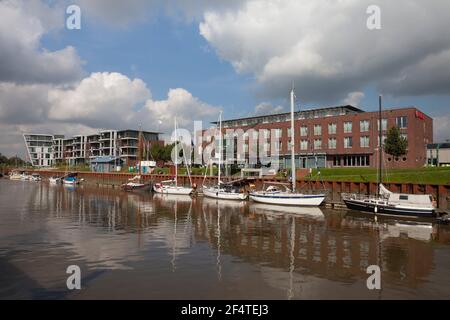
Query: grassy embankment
{"points": [[417, 175]]}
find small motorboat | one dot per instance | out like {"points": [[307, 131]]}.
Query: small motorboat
{"points": [[444, 219], [16, 175], [54, 180], [72, 179], [136, 184], [35, 177], [25, 177]]}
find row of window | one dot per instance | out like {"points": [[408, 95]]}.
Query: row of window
{"points": [[364, 126], [364, 142]]}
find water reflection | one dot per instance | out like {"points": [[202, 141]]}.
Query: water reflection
{"points": [[267, 250]]}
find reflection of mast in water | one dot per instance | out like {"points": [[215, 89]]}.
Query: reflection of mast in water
{"points": [[379, 256], [219, 265], [174, 246], [292, 262]]}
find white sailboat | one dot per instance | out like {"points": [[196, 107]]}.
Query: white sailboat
{"points": [[171, 186], [226, 191], [285, 195]]}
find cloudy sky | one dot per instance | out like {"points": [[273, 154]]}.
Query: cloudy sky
{"points": [[143, 62]]}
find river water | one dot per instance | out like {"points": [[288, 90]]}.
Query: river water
{"points": [[144, 246]]}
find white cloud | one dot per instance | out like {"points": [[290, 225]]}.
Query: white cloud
{"points": [[441, 126], [102, 100], [326, 48], [267, 108], [22, 57], [354, 98]]}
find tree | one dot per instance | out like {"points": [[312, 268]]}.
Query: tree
{"points": [[395, 145], [161, 153]]}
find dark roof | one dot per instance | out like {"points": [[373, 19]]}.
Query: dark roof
{"points": [[445, 145], [105, 159], [348, 107]]}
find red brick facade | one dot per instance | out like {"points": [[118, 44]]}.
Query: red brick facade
{"points": [[417, 127]]}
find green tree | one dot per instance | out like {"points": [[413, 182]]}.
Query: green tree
{"points": [[395, 145], [161, 153]]}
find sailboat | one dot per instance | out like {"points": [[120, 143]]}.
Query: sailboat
{"points": [[280, 193], [171, 186], [386, 202], [226, 191], [136, 183]]}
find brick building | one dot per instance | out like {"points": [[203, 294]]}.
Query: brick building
{"points": [[342, 136]]}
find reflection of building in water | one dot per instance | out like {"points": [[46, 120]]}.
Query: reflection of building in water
{"points": [[89, 209], [335, 249]]}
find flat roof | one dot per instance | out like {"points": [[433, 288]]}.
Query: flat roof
{"points": [[321, 109], [442, 145], [347, 107]]}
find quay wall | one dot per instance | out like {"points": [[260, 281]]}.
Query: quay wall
{"points": [[333, 188]]}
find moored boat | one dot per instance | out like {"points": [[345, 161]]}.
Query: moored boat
{"points": [[280, 193], [386, 202], [55, 180], [136, 184], [35, 177]]}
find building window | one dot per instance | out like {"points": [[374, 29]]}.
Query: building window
{"points": [[348, 142], [317, 144], [332, 128], [303, 131], [317, 130], [348, 127], [332, 143], [383, 124], [289, 132], [402, 122], [304, 145], [364, 142], [364, 125], [277, 133], [265, 133], [384, 139]]}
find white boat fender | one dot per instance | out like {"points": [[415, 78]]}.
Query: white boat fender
{"points": [[376, 209]]}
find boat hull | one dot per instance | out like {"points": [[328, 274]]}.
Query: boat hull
{"points": [[388, 210], [137, 187], [288, 200], [218, 194], [173, 190]]}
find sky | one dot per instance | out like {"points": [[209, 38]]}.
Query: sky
{"points": [[144, 62]]}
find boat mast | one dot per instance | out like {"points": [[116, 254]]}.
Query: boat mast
{"points": [[220, 146], [176, 154], [292, 141], [380, 148], [140, 151]]}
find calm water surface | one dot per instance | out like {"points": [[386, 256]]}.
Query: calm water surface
{"points": [[174, 247]]}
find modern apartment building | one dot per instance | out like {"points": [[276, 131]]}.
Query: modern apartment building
{"points": [[46, 150], [39, 149], [342, 136]]}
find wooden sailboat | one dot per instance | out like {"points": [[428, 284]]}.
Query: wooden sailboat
{"points": [[226, 191], [171, 186], [386, 202], [280, 193]]}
